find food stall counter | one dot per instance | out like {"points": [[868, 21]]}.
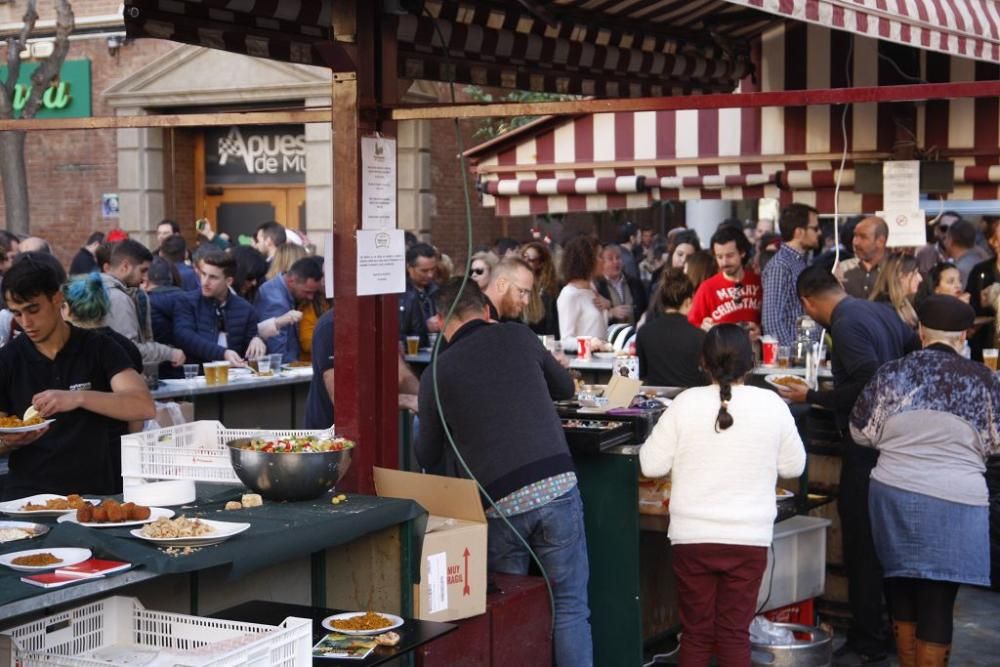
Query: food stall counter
{"points": [[246, 401], [279, 533]]}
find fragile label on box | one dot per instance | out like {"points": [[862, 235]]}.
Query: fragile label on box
{"points": [[437, 582]]}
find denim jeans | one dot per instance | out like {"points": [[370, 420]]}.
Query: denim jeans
{"points": [[556, 534]]}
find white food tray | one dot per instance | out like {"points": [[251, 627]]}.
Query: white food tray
{"points": [[194, 451], [120, 631]]}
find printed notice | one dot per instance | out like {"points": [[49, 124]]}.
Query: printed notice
{"points": [[381, 262], [378, 183], [901, 201], [437, 582]]}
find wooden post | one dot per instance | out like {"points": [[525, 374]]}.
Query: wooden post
{"points": [[366, 331]]}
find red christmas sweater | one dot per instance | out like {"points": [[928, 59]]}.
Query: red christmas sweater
{"points": [[725, 301]]}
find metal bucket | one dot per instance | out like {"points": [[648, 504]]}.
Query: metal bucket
{"points": [[816, 651]]}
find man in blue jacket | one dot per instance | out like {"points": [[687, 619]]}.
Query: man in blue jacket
{"points": [[215, 324], [285, 292]]}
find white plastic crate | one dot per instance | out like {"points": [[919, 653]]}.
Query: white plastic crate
{"points": [[195, 451], [120, 631], [798, 560]]}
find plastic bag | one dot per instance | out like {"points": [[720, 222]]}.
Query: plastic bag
{"points": [[766, 633]]}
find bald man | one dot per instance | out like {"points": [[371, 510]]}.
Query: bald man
{"points": [[509, 291], [858, 274]]}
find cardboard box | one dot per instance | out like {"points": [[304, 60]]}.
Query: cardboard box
{"points": [[453, 559]]}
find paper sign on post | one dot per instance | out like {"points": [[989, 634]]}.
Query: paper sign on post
{"points": [[381, 262], [901, 203], [378, 183]]}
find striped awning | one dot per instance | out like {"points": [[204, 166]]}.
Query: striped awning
{"points": [[287, 30], [968, 28], [630, 159]]}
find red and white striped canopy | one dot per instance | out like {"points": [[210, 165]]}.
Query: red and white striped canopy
{"points": [[969, 28], [629, 159]]}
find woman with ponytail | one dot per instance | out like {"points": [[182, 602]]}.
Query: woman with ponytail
{"points": [[725, 445]]}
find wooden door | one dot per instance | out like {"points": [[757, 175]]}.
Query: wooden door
{"points": [[238, 210]]}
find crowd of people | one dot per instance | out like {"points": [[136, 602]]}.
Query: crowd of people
{"points": [[900, 323], [143, 314], [901, 326]]}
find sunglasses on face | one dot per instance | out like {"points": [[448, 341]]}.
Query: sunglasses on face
{"points": [[476, 272], [532, 260]]}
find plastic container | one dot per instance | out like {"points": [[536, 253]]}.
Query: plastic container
{"points": [[798, 559], [119, 630], [194, 451]]}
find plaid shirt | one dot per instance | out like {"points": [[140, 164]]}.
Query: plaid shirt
{"points": [[781, 300]]}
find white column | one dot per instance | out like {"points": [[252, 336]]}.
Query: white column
{"points": [[415, 203], [704, 216], [140, 179], [319, 173]]}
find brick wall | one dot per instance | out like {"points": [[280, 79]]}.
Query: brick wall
{"points": [[12, 12], [69, 171]]}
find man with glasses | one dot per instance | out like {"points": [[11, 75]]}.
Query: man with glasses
{"points": [[733, 295], [214, 323], [800, 233], [934, 252], [509, 290]]}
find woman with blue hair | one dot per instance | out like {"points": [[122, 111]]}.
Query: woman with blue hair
{"points": [[86, 305]]}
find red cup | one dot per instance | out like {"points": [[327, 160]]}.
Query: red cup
{"points": [[769, 350], [583, 347]]}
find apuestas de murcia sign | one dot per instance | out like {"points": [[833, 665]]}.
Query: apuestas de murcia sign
{"points": [[263, 153]]}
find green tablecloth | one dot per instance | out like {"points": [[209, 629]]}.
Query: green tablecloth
{"points": [[279, 532]]}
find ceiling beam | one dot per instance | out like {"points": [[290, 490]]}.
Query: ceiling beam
{"points": [[784, 98]]}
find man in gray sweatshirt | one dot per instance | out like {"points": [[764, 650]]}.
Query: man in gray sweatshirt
{"points": [[130, 312]]}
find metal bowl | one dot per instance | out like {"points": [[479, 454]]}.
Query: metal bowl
{"points": [[288, 476]]}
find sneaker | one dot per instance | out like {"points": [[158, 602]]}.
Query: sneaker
{"points": [[846, 656]]}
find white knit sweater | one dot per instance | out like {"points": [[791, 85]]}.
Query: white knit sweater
{"points": [[723, 484]]}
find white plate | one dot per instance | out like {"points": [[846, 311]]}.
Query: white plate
{"points": [[223, 531], [30, 529], [67, 556], [25, 429], [770, 379], [154, 514], [781, 494], [604, 355], [13, 507], [396, 622]]}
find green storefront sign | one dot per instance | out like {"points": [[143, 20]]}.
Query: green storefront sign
{"points": [[67, 97]]}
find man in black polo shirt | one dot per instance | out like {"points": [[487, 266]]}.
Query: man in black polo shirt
{"points": [[496, 384], [865, 335], [81, 379]]}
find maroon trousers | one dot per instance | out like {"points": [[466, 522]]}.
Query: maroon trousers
{"points": [[717, 586]]}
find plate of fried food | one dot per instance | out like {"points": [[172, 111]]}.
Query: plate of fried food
{"points": [[185, 532], [45, 504], [39, 560], [778, 380], [31, 421], [362, 622], [113, 514]]}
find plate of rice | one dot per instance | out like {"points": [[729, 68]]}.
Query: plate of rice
{"points": [[185, 532]]}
